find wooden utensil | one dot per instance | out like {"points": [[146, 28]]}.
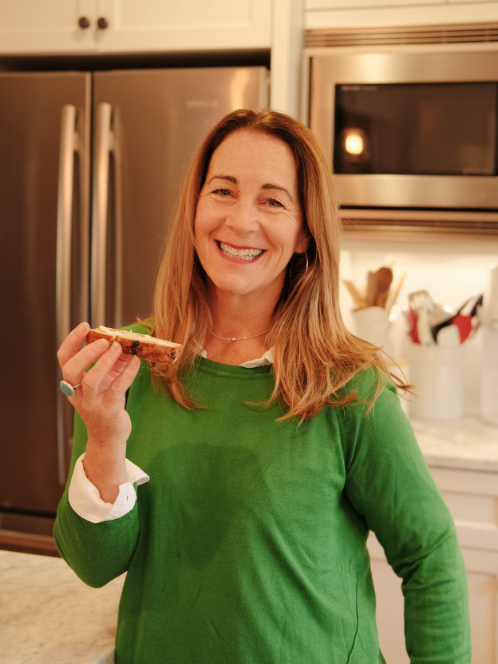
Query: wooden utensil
{"points": [[371, 293], [391, 301], [353, 291], [384, 278]]}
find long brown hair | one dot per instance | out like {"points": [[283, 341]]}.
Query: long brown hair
{"points": [[314, 354]]}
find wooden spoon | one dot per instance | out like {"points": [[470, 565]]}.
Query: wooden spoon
{"points": [[384, 278], [371, 291]]}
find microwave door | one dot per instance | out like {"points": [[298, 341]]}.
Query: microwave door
{"points": [[446, 129]]}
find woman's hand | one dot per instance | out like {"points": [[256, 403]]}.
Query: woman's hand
{"points": [[100, 402]]}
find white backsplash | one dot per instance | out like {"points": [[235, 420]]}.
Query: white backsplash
{"points": [[451, 271]]}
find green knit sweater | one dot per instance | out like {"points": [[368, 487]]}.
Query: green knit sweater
{"points": [[248, 545]]}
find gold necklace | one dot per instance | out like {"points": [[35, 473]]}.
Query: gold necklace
{"points": [[241, 338]]}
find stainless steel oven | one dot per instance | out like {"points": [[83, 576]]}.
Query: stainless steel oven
{"points": [[411, 131]]}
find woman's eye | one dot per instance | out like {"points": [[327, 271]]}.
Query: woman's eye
{"points": [[272, 202], [222, 192]]}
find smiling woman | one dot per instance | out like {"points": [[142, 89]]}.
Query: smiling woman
{"points": [[260, 182], [248, 215], [272, 446]]}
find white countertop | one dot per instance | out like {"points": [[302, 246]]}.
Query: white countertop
{"points": [[49, 616], [467, 444]]}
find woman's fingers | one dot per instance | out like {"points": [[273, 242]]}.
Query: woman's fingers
{"points": [[72, 343], [118, 368], [119, 385], [75, 369], [112, 374], [92, 379]]}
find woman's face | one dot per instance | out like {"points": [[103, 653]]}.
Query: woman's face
{"points": [[248, 221]]}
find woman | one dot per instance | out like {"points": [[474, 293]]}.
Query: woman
{"points": [[272, 448]]}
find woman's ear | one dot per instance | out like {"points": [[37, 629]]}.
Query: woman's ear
{"points": [[302, 243]]}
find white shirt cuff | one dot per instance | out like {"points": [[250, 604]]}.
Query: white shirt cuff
{"points": [[85, 498]]}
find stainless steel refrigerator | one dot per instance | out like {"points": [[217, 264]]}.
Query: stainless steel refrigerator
{"points": [[91, 166]]}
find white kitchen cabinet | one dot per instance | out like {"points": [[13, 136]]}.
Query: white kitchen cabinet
{"points": [[472, 497], [191, 25], [127, 26], [28, 26], [337, 14], [379, 4], [350, 4]]}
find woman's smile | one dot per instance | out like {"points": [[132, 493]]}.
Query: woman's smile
{"points": [[245, 254]]}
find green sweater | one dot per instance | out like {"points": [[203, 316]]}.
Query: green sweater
{"points": [[248, 545]]}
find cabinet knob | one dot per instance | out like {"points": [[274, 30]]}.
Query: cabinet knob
{"points": [[102, 23], [83, 22]]}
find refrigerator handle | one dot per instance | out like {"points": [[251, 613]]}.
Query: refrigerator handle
{"points": [[104, 141], [69, 144]]}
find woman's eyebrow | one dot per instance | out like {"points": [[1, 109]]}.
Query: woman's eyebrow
{"points": [[278, 188], [229, 178]]}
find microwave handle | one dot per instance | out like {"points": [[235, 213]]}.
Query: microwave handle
{"points": [[104, 141]]}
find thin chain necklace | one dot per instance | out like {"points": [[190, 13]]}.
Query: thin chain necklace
{"points": [[241, 338]]}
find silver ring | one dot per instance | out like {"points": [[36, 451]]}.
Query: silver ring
{"points": [[67, 388]]}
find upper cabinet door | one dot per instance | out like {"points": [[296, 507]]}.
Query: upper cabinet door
{"points": [[355, 4], [184, 25], [57, 26]]}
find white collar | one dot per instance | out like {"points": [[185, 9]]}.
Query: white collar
{"points": [[266, 358]]}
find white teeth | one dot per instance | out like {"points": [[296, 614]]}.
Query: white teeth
{"points": [[245, 254]]}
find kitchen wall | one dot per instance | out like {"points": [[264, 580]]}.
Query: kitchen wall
{"points": [[451, 271]]}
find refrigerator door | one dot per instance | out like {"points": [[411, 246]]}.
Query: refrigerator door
{"points": [[44, 185], [148, 125]]}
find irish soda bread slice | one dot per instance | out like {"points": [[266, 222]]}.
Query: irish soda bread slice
{"points": [[141, 345]]}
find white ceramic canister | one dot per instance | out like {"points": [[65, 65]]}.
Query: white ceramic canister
{"points": [[371, 324], [489, 362], [489, 373], [436, 373]]}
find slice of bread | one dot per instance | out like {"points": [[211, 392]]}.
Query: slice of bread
{"points": [[141, 345]]}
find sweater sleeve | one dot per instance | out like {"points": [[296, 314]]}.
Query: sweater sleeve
{"points": [[390, 485], [97, 552]]}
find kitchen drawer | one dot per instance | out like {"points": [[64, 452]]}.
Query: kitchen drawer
{"points": [[472, 498], [482, 575]]}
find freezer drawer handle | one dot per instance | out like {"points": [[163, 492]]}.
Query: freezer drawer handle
{"points": [[69, 144], [104, 144]]}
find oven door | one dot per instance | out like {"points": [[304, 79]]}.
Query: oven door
{"points": [[409, 130]]}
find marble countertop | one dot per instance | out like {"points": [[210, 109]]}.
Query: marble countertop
{"points": [[49, 616], [467, 444]]}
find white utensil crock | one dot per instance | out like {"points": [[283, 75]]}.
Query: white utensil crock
{"points": [[436, 373], [489, 373], [371, 324]]}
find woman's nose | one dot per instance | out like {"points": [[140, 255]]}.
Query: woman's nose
{"points": [[243, 217]]}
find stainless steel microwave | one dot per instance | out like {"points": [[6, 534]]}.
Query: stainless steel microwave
{"points": [[408, 130]]}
